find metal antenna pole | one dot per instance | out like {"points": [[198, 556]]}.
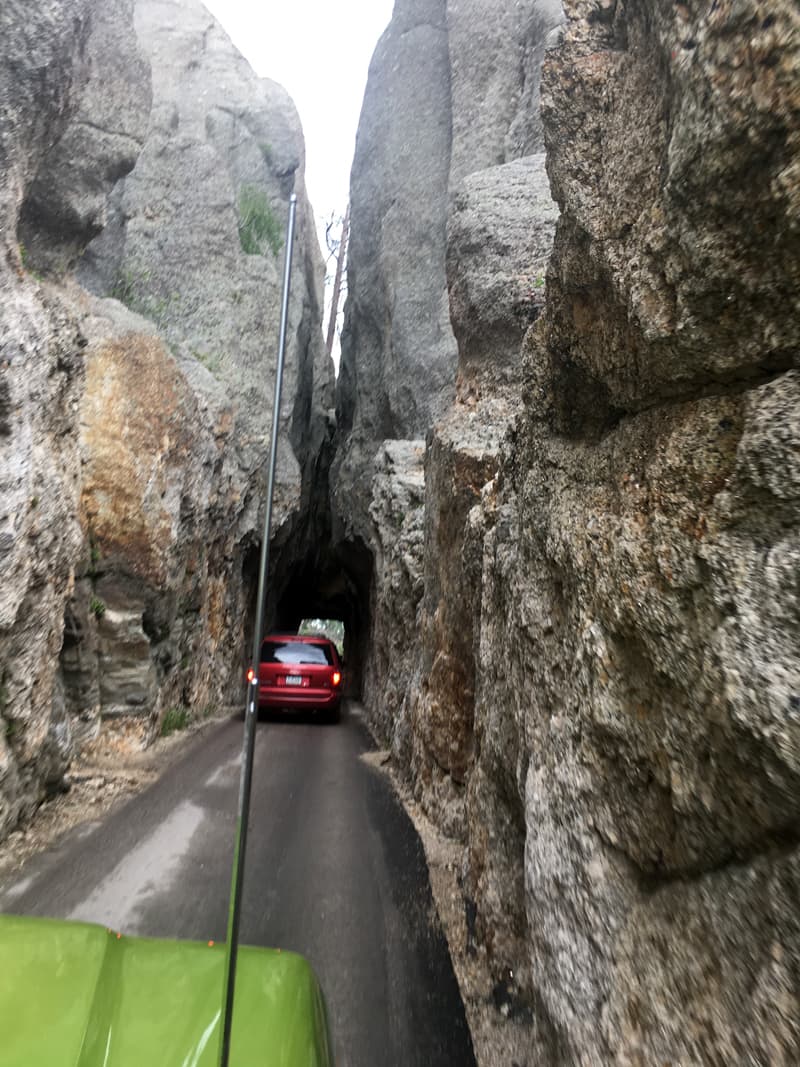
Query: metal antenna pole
{"points": [[251, 713]]}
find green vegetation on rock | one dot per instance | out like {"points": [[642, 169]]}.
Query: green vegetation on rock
{"points": [[210, 360], [97, 607], [174, 719], [133, 287], [259, 229]]}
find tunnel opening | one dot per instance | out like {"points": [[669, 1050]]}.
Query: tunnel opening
{"points": [[323, 583], [333, 584], [333, 629]]}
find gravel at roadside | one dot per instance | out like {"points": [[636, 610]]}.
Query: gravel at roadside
{"points": [[498, 1040], [105, 772]]}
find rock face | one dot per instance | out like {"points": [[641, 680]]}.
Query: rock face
{"points": [[195, 238], [65, 206], [603, 698], [135, 415], [452, 223], [637, 580], [397, 501], [446, 96], [194, 245], [47, 55], [397, 313], [500, 233], [702, 301]]}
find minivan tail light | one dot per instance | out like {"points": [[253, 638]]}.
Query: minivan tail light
{"points": [[336, 677]]}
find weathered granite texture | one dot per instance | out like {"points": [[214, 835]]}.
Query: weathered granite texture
{"points": [[218, 138], [499, 236], [396, 333], [170, 560], [46, 55], [496, 53], [151, 622], [679, 123], [397, 515], [134, 437], [65, 206], [447, 97], [637, 716], [636, 723], [500, 233], [603, 695]]}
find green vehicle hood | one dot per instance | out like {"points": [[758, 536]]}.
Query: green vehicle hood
{"points": [[77, 995]]}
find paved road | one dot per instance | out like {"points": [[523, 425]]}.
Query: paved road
{"points": [[335, 870]]}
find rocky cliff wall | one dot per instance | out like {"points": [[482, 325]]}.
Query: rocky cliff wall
{"points": [[636, 713], [194, 244], [447, 95], [49, 57], [602, 697], [445, 122], [146, 180]]}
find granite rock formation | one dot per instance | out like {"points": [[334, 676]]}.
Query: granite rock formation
{"points": [[145, 184], [567, 483], [500, 233], [447, 96], [445, 118], [194, 245], [49, 58], [640, 576], [602, 700]]}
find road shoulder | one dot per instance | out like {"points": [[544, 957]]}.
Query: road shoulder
{"points": [[502, 1036]]}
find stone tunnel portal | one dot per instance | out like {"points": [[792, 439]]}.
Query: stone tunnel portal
{"points": [[328, 584]]}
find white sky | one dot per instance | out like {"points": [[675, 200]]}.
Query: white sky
{"points": [[319, 50]]}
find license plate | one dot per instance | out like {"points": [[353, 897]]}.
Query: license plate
{"points": [[293, 679]]}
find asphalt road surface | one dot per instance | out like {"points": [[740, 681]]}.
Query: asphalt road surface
{"points": [[335, 870]]}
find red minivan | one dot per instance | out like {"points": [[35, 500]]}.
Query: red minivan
{"points": [[302, 673]]}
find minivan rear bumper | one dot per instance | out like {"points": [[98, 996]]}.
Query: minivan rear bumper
{"points": [[283, 696]]}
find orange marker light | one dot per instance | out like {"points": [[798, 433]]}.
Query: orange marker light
{"points": [[336, 677], [251, 675]]}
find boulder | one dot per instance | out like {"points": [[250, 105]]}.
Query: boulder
{"points": [[499, 236], [654, 174]]}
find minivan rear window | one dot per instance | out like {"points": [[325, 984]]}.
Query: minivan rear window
{"points": [[296, 653]]}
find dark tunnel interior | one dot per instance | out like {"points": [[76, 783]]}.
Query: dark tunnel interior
{"points": [[324, 583]]}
